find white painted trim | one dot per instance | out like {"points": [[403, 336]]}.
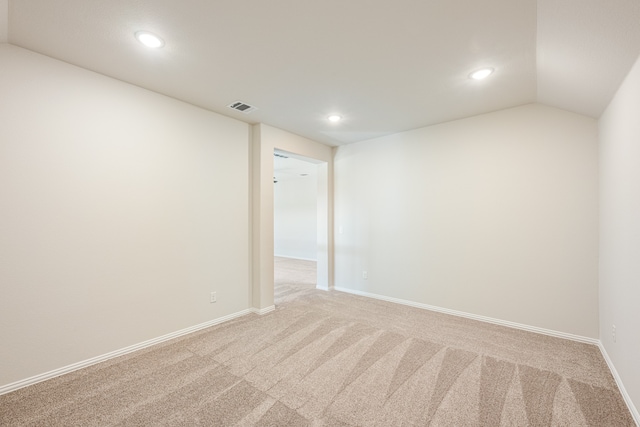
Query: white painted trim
{"points": [[322, 288], [261, 311], [295, 257], [627, 399], [474, 316], [130, 349]]}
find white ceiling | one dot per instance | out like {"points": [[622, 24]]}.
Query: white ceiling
{"points": [[385, 66]]}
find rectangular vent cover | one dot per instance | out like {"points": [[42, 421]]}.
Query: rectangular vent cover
{"points": [[242, 107], [280, 155]]}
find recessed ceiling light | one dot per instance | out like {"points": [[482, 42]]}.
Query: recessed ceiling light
{"points": [[334, 118], [481, 74], [149, 40]]}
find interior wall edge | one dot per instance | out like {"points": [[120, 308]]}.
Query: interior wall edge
{"points": [[263, 311], [623, 391]]}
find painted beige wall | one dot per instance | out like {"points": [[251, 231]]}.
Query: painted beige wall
{"points": [[619, 129], [4, 21], [120, 210], [296, 217], [264, 140], [494, 215]]}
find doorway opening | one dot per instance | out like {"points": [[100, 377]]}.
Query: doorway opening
{"points": [[300, 220]]}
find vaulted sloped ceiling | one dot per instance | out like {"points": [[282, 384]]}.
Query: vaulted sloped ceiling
{"points": [[585, 48], [384, 66]]}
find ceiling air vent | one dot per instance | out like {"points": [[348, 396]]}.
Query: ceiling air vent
{"points": [[282, 156], [242, 107]]}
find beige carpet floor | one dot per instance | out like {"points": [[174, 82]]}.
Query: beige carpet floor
{"points": [[334, 359]]}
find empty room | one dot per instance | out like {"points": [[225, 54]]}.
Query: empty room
{"points": [[297, 213]]}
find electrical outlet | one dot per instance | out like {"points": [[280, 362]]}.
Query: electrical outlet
{"points": [[365, 275], [213, 298], [613, 332]]}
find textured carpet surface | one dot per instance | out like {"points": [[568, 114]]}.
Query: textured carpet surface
{"points": [[334, 359]]}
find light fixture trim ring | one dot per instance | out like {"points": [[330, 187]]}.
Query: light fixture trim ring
{"points": [[482, 73], [149, 39]]}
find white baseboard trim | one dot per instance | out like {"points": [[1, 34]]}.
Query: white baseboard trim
{"points": [[627, 399], [296, 257], [322, 288], [262, 311], [507, 323], [8, 388]]}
